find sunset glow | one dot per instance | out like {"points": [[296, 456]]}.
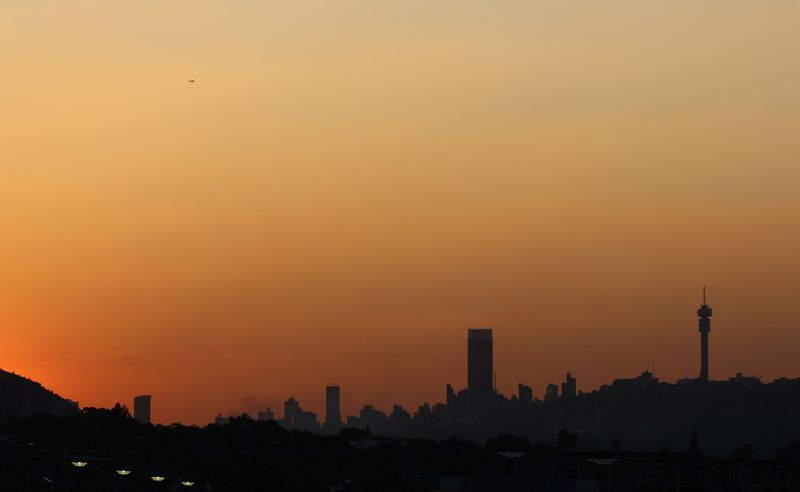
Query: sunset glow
{"points": [[225, 203]]}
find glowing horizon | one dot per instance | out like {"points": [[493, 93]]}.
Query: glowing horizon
{"points": [[345, 189]]}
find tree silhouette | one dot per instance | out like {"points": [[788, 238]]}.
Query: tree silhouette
{"points": [[567, 440], [121, 411]]}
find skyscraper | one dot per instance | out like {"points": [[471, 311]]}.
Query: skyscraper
{"points": [[333, 416], [525, 393], [141, 408], [266, 415], [569, 387], [704, 313], [291, 413], [479, 361], [551, 392]]}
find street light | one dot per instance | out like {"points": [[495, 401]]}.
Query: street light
{"points": [[187, 483], [122, 474], [80, 465], [158, 478]]}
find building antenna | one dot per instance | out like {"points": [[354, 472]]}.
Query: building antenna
{"points": [[704, 294]]}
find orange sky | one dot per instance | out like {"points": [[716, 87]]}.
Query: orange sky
{"points": [[350, 185]]}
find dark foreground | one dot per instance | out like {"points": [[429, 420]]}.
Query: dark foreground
{"points": [[106, 450]]}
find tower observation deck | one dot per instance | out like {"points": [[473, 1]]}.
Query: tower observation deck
{"points": [[704, 315]]}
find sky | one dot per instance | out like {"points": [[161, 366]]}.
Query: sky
{"points": [[348, 186]]}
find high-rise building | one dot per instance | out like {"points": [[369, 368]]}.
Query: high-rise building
{"points": [[551, 393], [569, 388], [333, 415], [450, 396], [307, 421], [525, 393], [141, 408], [291, 413], [704, 313], [294, 417], [479, 361], [266, 415]]}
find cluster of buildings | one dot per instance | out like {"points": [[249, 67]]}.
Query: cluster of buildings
{"points": [[481, 388], [480, 399]]}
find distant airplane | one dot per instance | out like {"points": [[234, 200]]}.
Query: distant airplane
{"points": [[191, 80]]}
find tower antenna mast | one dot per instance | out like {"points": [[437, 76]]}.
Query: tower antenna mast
{"points": [[704, 315]]}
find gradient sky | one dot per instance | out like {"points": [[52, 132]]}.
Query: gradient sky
{"points": [[350, 185]]}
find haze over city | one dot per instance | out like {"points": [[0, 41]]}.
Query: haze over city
{"points": [[346, 187]]}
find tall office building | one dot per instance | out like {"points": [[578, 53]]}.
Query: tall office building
{"points": [[569, 387], [551, 393], [450, 397], [479, 361], [266, 415], [141, 408], [291, 413], [333, 415], [704, 313], [525, 393]]}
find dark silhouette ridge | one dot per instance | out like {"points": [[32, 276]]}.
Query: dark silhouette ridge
{"points": [[21, 397]]}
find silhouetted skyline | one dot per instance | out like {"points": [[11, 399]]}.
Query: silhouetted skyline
{"points": [[480, 397], [479, 411], [346, 188]]}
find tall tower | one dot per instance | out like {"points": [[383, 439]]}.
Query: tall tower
{"points": [[704, 313], [141, 408], [569, 387], [333, 416], [479, 361]]}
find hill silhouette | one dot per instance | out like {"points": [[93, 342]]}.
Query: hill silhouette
{"points": [[21, 397]]}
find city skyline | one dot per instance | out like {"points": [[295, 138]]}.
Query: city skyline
{"points": [[480, 384], [345, 186], [260, 405]]}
